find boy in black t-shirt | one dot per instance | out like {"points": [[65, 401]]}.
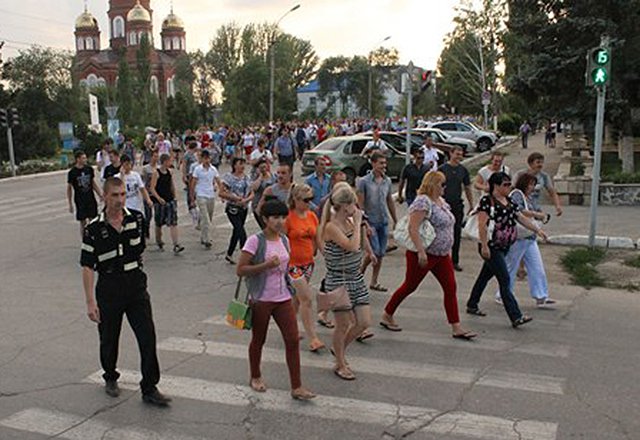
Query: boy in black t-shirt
{"points": [[81, 181]]}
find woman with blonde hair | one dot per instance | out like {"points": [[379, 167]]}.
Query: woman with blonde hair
{"points": [[430, 206], [343, 248], [301, 227]]}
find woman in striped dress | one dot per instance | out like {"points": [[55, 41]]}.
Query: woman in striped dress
{"points": [[342, 235]]}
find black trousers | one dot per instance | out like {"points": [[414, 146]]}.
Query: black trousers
{"points": [[259, 220], [458, 212], [237, 216], [126, 294]]}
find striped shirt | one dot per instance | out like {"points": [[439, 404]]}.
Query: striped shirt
{"points": [[343, 269]]}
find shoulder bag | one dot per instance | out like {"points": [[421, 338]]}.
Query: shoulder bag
{"points": [[239, 312], [470, 229], [425, 230]]}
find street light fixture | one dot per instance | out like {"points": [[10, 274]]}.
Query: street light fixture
{"points": [[371, 79], [273, 63]]}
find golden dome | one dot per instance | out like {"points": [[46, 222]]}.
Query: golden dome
{"points": [[86, 21], [138, 13], [172, 22]]}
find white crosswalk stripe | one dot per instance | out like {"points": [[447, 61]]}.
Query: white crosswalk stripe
{"points": [[352, 410], [418, 337], [73, 427], [393, 368], [25, 206], [10, 200]]}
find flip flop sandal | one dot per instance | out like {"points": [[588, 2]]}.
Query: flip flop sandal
{"points": [[364, 337], [378, 288], [390, 327], [344, 375], [476, 312], [521, 321], [306, 395], [258, 388], [326, 323], [466, 336], [317, 348]]}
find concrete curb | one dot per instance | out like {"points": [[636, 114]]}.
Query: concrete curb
{"points": [[487, 154], [601, 241], [34, 176]]}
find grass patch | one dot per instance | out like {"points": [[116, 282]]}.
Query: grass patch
{"points": [[633, 262], [581, 264]]}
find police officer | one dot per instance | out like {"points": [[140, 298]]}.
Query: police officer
{"points": [[112, 245]]}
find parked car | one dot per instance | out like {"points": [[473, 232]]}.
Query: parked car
{"points": [[440, 137], [343, 153], [484, 139]]}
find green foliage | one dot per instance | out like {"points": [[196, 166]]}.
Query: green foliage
{"points": [[576, 169], [633, 262], [581, 264], [509, 123], [247, 92], [349, 78], [181, 113]]}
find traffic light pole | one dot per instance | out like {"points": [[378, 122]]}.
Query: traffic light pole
{"points": [[12, 159], [597, 154], [407, 158]]}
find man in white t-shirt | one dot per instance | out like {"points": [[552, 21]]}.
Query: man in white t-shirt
{"points": [[481, 182], [248, 142], [163, 146], [205, 181], [376, 144], [430, 154], [261, 153], [136, 192]]}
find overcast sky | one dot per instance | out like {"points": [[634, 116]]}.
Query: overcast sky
{"points": [[334, 27]]}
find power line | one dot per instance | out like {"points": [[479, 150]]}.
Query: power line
{"points": [[25, 43], [35, 17]]}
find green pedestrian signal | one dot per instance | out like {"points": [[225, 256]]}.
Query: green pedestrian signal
{"points": [[598, 66]]}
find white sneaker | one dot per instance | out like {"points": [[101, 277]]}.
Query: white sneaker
{"points": [[545, 303]]}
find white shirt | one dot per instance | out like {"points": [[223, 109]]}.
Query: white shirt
{"points": [[133, 183], [163, 147], [204, 183], [248, 140], [103, 160], [375, 145], [431, 155], [257, 154]]}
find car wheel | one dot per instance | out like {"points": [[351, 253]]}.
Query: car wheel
{"points": [[484, 144], [351, 175]]}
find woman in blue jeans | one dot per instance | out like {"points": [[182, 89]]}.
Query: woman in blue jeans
{"points": [[498, 207]]}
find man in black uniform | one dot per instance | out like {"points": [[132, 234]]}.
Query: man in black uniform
{"points": [[81, 182], [112, 245], [457, 179]]}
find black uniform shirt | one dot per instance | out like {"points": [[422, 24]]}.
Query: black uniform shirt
{"points": [[108, 251]]}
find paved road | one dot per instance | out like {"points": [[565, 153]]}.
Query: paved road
{"points": [[570, 374]]}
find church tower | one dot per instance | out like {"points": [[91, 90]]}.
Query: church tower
{"points": [[173, 35], [119, 11], [87, 34]]}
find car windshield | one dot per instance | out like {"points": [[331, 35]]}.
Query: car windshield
{"points": [[474, 126], [443, 134], [329, 145]]}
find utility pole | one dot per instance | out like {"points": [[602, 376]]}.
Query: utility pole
{"points": [[9, 118], [272, 70], [485, 103], [407, 158], [370, 90], [598, 69]]}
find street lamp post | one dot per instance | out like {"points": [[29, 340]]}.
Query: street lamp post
{"points": [[371, 80], [485, 104], [273, 63]]}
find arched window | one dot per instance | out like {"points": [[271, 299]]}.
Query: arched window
{"points": [[133, 39], [102, 82], [171, 90], [176, 43], [80, 43], [184, 43], [92, 80], [88, 43], [153, 85], [166, 44], [118, 27]]}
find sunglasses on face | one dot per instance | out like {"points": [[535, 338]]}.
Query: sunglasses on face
{"points": [[307, 199], [506, 184]]}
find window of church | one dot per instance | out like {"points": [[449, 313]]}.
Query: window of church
{"points": [[118, 27], [88, 43], [153, 85], [133, 39], [92, 80], [176, 43], [166, 44], [171, 90], [184, 44], [80, 43]]}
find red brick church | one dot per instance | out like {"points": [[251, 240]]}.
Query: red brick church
{"points": [[129, 20]]}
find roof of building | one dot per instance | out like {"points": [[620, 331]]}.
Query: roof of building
{"points": [[312, 87], [172, 21], [86, 21], [138, 13]]}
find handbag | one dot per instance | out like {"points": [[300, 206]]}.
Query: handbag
{"points": [[470, 229], [336, 300], [425, 230], [239, 312]]}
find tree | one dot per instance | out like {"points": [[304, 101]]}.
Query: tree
{"points": [[124, 90], [225, 52], [247, 92]]}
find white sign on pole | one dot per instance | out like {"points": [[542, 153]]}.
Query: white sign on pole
{"points": [[93, 110], [486, 97]]}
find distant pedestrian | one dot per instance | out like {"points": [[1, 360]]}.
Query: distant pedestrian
{"points": [[319, 181], [204, 186], [283, 148], [82, 183], [457, 180], [264, 179], [525, 129], [264, 263], [113, 245], [114, 166], [166, 205], [236, 190], [481, 182], [137, 195], [543, 181], [430, 154], [281, 188], [411, 176], [375, 145]]}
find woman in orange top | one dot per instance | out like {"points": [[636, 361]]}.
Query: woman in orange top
{"points": [[301, 226]]}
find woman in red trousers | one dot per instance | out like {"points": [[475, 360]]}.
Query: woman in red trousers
{"points": [[429, 206]]}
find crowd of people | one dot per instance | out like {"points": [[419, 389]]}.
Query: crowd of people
{"points": [[321, 216]]}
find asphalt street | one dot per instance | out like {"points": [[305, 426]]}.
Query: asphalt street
{"points": [[571, 374]]}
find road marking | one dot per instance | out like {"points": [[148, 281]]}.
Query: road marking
{"points": [[418, 337], [402, 417], [28, 203], [43, 210], [73, 427], [424, 371], [11, 200]]}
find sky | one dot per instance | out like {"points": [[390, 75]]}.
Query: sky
{"points": [[334, 27]]}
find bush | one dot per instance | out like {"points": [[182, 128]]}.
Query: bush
{"points": [[31, 167], [621, 177], [509, 123]]}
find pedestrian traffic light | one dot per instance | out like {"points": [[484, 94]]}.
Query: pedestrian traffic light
{"points": [[598, 66], [15, 117], [3, 117], [425, 80]]}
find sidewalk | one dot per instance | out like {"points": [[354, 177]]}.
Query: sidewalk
{"points": [[612, 221]]}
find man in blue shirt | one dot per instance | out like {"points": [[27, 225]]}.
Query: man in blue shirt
{"points": [[284, 148], [320, 182]]}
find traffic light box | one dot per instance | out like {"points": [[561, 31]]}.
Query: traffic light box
{"points": [[3, 118], [598, 67], [15, 117]]}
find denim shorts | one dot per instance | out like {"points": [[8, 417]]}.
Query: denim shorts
{"points": [[378, 238]]}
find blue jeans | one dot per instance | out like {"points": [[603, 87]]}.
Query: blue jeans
{"points": [[378, 239], [528, 250], [495, 266]]}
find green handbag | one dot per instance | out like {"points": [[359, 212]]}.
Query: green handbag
{"points": [[239, 312]]}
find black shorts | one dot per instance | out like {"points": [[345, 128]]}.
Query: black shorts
{"points": [[86, 211], [167, 214]]}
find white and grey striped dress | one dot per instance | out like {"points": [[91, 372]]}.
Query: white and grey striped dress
{"points": [[343, 269]]}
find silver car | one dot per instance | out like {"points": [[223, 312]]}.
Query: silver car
{"points": [[484, 139], [442, 137]]}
